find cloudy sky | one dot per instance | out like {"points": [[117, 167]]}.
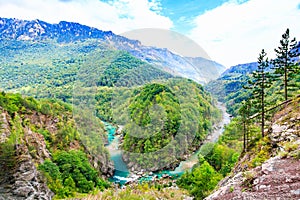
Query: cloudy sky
{"points": [[230, 31]]}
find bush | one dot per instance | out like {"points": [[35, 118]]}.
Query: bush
{"points": [[71, 172], [201, 181]]}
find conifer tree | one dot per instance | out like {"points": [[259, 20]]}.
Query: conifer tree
{"points": [[245, 111], [285, 63], [260, 81]]}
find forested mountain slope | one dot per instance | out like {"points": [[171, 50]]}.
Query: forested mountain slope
{"points": [[39, 141], [48, 36], [105, 76]]}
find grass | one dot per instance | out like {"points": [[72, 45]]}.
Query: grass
{"points": [[138, 192]]}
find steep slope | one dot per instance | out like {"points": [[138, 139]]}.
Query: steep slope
{"points": [[33, 134], [19, 176], [270, 170], [198, 69], [66, 32]]}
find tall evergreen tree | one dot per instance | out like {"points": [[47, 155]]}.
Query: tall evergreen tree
{"points": [[286, 61], [244, 112], [260, 81]]}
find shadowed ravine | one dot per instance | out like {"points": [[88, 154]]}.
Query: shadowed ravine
{"points": [[122, 174]]}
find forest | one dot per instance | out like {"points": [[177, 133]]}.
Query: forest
{"points": [[62, 93]]}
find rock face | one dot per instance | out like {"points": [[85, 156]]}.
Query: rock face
{"points": [[19, 177], [24, 181], [103, 163], [20, 156], [279, 176], [4, 125], [276, 179]]}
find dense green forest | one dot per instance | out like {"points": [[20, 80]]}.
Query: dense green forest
{"points": [[49, 69], [166, 121], [68, 170], [215, 161], [171, 115], [164, 117]]}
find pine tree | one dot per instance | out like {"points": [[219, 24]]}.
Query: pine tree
{"points": [[244, 112], [286, 63], [260, 81]]}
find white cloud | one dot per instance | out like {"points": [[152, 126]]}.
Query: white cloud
{"points": [[117, 15], [236, 32]]}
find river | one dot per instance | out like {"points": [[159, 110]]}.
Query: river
{"points": [[122, 174]]}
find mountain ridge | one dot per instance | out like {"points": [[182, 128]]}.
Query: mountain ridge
{"points": [[66, 32]]}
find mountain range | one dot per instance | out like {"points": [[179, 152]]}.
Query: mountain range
{"points": [[198, 69], [94, 87]]}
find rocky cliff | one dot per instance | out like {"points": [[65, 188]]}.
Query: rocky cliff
{"points": [[20, 178], [278, 177], [27, 138]]}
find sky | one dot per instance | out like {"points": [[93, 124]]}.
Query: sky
{"points": [[230, 31]]}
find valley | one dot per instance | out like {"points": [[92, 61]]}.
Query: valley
{"points": [[122, 174], [88, 114]]}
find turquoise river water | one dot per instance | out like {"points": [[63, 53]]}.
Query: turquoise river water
{"points": [[122, 174]]}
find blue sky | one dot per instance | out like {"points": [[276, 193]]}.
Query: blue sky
{"points": [[181, 12], [230, 31]]}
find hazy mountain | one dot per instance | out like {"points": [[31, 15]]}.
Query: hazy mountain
{"points": [[199, 69]]}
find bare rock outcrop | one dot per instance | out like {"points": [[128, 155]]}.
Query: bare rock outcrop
{"points": [[4, 125], [279, 176], [23, 181]]}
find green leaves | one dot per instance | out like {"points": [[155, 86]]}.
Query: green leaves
{"points": [[71, 172], [285, 63], [201, 181]]}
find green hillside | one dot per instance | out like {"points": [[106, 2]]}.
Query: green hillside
{"points": [[174, 114], [50, 69], [42, 134]]}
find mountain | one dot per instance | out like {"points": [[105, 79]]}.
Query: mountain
{"points": [[270, 168], [83, 76], [228, 88], [15, 29], [243, 69], [199, 69], [39, 141]]}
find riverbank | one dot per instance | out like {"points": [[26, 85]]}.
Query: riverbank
{"points": [[124, 175]]}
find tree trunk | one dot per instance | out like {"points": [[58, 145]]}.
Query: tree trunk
{"points": [[263, 106], [244, 127], [285, 83]]}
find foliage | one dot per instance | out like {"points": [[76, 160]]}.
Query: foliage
{"points": [[216, 158], [145, 191], [49, 69], [228, 88], [222, 158], [285, 62], [71, 172], [201, 180], [163, 116], [259, 82], [7, 148]]}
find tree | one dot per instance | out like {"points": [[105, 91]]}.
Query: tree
{"points": [[244, 111], [201, 181], [285, 63], [261, 80]]}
